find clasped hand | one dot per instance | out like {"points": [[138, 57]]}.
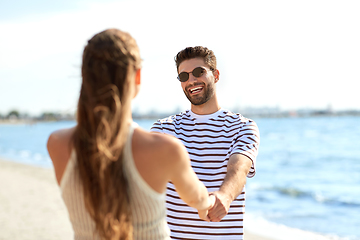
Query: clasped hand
{"points": [[219, 208]]}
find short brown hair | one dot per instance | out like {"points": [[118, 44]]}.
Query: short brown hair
{"points": [[196, 52]]}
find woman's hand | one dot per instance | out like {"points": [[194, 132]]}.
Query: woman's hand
{"points": [[203, 214]]}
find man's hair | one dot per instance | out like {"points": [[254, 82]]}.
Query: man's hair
{"points": [[196, 52]]}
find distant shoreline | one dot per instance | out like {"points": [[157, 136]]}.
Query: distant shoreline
{"points": [[22, 121], [31, 121]]}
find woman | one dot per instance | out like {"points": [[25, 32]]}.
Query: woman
{"points": [[113, 174]]}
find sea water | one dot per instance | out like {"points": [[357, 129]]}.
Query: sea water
{"points": [[307, 172]]}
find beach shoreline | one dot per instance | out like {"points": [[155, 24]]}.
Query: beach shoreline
{"points": [[31, 206]]}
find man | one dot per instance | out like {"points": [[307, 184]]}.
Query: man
{"points": [[222, 147]]}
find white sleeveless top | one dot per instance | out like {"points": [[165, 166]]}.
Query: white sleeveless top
{"points": [[147, 205]]}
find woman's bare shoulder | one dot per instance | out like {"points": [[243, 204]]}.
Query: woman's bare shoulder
{"points": [[60, 139], [164, 152], [157, 156], [59, 147], [158, 144]]}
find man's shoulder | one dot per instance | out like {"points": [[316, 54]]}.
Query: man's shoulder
{"points": [[237, 119], [227, 114], [175, 118], [171, 122]]}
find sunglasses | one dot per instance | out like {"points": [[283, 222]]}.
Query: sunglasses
{"points": [[197, 72]]}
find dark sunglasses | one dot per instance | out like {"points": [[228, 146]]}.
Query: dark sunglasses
{"points": [[197, 72]]}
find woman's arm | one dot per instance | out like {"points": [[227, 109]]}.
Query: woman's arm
{"points": [[191, 190]]}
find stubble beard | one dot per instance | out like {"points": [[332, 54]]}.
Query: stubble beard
{"points": [[201, 99]]}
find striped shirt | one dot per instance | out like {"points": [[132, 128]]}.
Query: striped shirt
{"points": [[210, 141]]}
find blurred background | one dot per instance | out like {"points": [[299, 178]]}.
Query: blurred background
{"points": [[292, 66], [272, 55]]}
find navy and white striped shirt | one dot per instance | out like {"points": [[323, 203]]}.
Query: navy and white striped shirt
{"points": [[210, 141]]}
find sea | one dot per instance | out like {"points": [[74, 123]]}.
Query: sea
{"points": [[307, 173]]}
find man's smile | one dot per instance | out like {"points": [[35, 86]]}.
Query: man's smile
{"points": [[195, 89]]}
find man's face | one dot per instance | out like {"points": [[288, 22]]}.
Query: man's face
{"points": [[198, 89]]}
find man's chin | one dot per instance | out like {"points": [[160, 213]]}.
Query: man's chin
{"points": [[197, 101]]}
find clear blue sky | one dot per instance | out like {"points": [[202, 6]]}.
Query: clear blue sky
{"points": [[290, 54]]}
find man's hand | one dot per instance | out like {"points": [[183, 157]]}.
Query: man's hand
{"points": [[203, 214], [220, 208]]}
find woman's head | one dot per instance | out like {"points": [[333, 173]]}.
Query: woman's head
{"points": [[110, 76], [110, 62]]}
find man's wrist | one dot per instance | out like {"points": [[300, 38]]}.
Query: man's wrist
{"points": [[225, 197]]}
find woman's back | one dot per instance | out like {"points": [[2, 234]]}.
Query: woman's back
{"points": [[147, 205]]}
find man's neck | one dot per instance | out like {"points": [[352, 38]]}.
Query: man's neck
{"points": [[207, 108]]}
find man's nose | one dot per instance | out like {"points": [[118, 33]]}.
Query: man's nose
{"points": [[192, 78]]}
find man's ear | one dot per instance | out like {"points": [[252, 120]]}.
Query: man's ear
{"points": [[216, 75], [138, 77]]}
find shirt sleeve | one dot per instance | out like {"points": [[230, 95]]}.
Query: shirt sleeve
{"points": [[247, 143], [157, 127]]}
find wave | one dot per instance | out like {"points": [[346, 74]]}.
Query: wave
{"points": [[26, 156], [319, 197], [259, 226]]}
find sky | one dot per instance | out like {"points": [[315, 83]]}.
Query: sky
{"points": [[284, 54]]}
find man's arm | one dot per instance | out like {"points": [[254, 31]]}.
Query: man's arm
{"points": [[237, 169]]}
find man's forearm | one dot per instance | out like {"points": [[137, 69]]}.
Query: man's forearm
{"points": [[235, 179], [233, 184]]}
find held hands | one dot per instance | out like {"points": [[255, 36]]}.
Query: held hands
{"points": [[220, 208], [203, 214]]}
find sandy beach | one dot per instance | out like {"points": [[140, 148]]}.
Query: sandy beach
{"points": [[30, 204], [31, 207]]}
